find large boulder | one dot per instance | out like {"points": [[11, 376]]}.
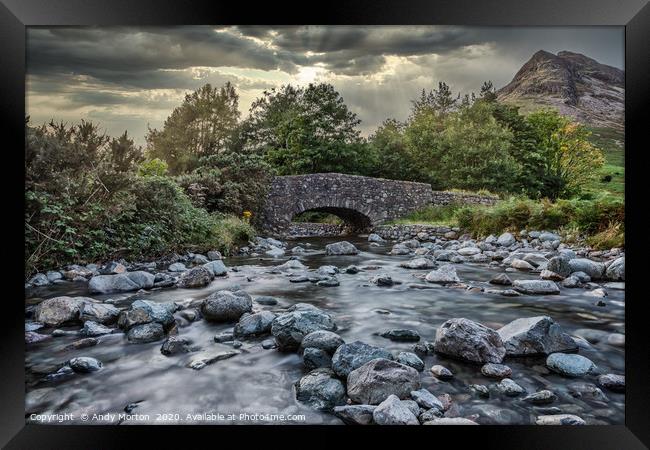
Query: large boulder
{"points": [[393, 411], [196, 277], [144, 312], [444, 275], [121, 282], [616, 270], [376, 380], [290, 328], [254, 324], [56, 311], [469, 340], [341, 248], [216, 267], [321, 390], [506, 240], [349, 357], [560, 265], [99, 312], [314, 358], [596, 270], [570, 365], [322, 339], [536, 287], [147, 332], [539, 335], [226, 306]]}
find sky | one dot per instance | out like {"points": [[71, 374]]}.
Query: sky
{"points": [[131, 78]]}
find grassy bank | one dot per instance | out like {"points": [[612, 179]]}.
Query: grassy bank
{"points": [[600, 221]]}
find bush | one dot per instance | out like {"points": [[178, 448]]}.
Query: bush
{"points": [[611, 237]]}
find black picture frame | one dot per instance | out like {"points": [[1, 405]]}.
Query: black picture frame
{"points": [[634, 15]]}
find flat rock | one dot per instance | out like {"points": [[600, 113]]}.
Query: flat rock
{"points": [[570, 365], [401, 335], [536, 287]]}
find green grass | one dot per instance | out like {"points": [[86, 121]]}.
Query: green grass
{"points": [[611, 143], [431, 215]]}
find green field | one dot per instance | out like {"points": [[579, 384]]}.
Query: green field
{"points": [[612, 143]]}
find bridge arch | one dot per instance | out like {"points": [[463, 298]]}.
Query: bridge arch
{"points": [[362, 202]]}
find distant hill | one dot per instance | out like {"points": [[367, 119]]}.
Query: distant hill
{"points": [[578, 86]]}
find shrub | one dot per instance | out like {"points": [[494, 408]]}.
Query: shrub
{"points": [[611, 237]]}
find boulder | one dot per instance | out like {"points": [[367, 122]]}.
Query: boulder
{"points": [[444, 275], [57, 311], [322, 339], [418, 263], [520, 264], [177, 267], [510, 388], [91, 329], [40, 279], [376, 380], [143, 312], [595, 270], [469, 340], [559, 265], [506, 240], [570, 365], [314, 358], [616, 270], [254, 324], [216, 267], [175, 345], [543, 397], [441, 372], [548, 237], [469, 251], [226, 306], [196, 277], [214, 255], [411, 360], [539, 335], [615, 383], [99, 312], [122, 282], [290, 328], [355, 414], [501, 279], [341, 248], [321, 390], [85, 364], [394, 412], [496, 370], [349, 357], [373, 237], [426, 399], [400, 249], [112, 268], [147, 332], [536, 287]]}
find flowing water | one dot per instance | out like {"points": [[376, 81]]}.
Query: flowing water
{"points": [[260, 381]]}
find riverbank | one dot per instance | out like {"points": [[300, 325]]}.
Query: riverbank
{"points": [[236, 334]]}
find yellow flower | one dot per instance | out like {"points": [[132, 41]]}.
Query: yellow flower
{"points": [[247, 214]]}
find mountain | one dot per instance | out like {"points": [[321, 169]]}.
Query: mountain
{"points": [[578, 86]]}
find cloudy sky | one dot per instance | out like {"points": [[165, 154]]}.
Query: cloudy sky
{"points": [[128, 78]]}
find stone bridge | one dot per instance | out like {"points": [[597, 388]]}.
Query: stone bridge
{"points": [[362, 202]]}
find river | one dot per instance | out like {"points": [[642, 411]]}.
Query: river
{"points": [[260, 381]]}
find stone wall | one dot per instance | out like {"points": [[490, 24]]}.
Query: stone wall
{"points": [[302, 229], [421, 232], [448, 197], [362, 202]]}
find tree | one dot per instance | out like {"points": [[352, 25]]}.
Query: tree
{"points": [[202, 125], [305, 130], [440, 101], [488, 92], [124, 155], [569, 160], [392, 158]]}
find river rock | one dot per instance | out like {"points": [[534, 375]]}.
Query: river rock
{"points": [[91, 329], [506, 240], [441, 372], [501, 279], [401, 335], [175, 345], [254, 324], [549, 275], [216, 268], [214, 255], [444, 275], [40, 279], [147, 332], [322, 339], [290, 328], [510, 388], [394, 412], [418, 263], [543, 397], [177, 267], [426, 399], [595, 270], [195, 277], [122, 282], [292, 264], [32, 337], [382, 280], [349, 357], [536, 260], [616, 270], [411, 360], [210, 357], [586, 391], [226, 306], [559, 265], [451, 421], [496, 370], [469, 251], [99, 312], [143, 312], [469, 340], [560, 419], [570, 365], [400, 249], [314, 358], [373, 237], [615, 383], [275, 252], [520, 264], [536, 287], [53, 275], [341, 248], [321, 390], [266, 300], [355, 414], [377, 379], [539, 335], [85, 364], [56, 311]]}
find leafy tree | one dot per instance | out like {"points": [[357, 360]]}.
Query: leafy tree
{"points": [[488, 93], [569, 160], [202, 125], [153, 168], [305, 130], [392, 158], [441, 100], [124, 155]]}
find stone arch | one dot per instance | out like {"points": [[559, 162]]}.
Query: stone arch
{"points": [[353, 220]]}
